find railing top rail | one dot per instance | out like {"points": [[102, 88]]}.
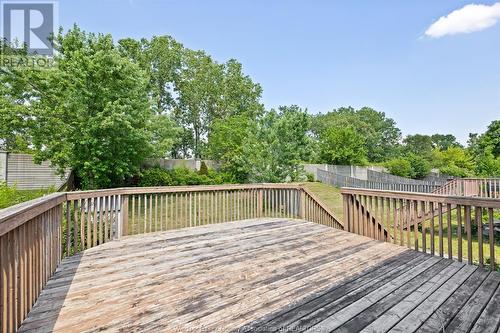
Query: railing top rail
{"points": [[475, 178], [473, 201], [176, 189], [12, 217]]}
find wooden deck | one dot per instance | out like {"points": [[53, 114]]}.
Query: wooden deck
{"points": [[263, 276]]}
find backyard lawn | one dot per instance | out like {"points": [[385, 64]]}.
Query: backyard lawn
{"points": [[329, 195]]}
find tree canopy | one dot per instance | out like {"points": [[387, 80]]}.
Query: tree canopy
{"points": [[108, 105]]}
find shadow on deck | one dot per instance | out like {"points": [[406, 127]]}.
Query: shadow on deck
{"points": [[263, 275]]}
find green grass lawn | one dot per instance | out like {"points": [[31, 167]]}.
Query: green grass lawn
{"points": [[10, 195], [330, 196], [455, 239]]}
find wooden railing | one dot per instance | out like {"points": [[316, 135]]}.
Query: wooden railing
{"points": [[471, 187], [458, 227], [36, 235], [30, 250]]}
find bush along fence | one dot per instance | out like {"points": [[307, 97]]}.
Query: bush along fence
{"points": [[333, 179], [36, 235]]}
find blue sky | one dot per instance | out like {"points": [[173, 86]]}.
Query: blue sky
{"points": [[325, 54]]}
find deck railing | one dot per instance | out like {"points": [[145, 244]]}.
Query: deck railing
{"points": [[471, 187], [458, 227], [36, 235]]}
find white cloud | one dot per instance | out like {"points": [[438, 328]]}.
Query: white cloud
{"points": [[465, 20]]}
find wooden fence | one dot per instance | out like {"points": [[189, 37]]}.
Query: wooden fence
{"points": [[36, 235], [460, 227], [333, 179], [384, 177], [471, 187]]}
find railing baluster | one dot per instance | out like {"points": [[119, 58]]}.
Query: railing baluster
{"points": [[440, 222], [68, 227], [408, 214], [415, 224], [75, 226], [150, 222], [491, 236], [423, 212], [102, 237], [94, 221], [468, 222], [449, 230], [459, 232], [479, 223]]}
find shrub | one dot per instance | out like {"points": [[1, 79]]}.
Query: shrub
{"points": [[399, 167], [419, 166], [203, 169], [412, 166], [158, 176], [455, 171], [310, 177], [6, 194], [155, 177]]}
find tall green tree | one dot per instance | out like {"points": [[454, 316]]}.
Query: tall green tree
{"points": [[444, 141], [381, 136], [92, 113], [418, 144], [231, 142], [454, 161], [13, 122], [161, 59], [343, 146], [485, 150], [208, 91], [199, 91], [282, 143], [15, 94]]}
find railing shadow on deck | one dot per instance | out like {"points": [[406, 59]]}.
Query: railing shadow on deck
{"points": [[69, 268], [36, 235]]}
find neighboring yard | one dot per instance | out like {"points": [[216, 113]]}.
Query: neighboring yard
{"points": [[10, 195]]}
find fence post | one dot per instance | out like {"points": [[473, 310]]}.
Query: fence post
{"points": [[123, 226]]}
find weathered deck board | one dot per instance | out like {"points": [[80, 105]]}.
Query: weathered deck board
{"points": [[262, 275]]}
